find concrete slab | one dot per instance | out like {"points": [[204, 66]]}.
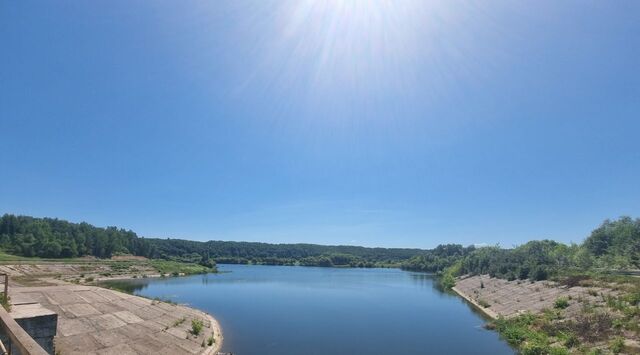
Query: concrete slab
{"points": [[109, 338], [29, 310], [80, 342], [98, 321], [120, 349], [80, 309], [147, 313], [153, 326], [177, 332], [107, 307], [106, 321], [132, 331], [91, 296], [70, 327], [128, 317], [64, 297], [148, 346]]}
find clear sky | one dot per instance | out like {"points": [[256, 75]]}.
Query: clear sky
{"points": [[389, 123]]}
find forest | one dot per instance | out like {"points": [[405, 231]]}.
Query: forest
{"points": [[615, 244], [54, 238]]}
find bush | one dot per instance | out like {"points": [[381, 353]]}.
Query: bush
{"points": [[535, 348], [196, 326], [561, 303], [6, 302], [211, 340], [573, 280], [448, 279], [591, 327], [571, 341], [617, 345]]}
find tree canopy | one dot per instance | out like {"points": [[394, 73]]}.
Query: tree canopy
{"points": [[613, 245]]}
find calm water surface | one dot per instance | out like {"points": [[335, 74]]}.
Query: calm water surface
{"points": [[284, 310]]}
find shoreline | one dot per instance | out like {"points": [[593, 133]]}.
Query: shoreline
{"points": [[32, 280], [215, 325], [488, 312], [217, 336]]}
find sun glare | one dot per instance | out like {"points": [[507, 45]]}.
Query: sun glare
{"points": [[356, 45]]}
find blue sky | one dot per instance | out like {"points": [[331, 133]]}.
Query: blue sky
{"points": [[390, 123]]}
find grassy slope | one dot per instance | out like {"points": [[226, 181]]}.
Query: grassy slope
{"points": [[161, 266], [594, 330]]}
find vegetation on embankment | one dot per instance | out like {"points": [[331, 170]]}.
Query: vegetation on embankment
{"points": [[613, 246], [611, 325], [37, 271], [604, 264]]}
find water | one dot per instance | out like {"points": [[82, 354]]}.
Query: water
{"points": [[284, 310]]}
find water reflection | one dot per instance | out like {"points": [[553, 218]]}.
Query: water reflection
{"points": [[127, 286], [283, 310]]}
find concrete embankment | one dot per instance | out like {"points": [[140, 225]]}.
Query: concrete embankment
{"points": [[498, 297], [94, 320]]}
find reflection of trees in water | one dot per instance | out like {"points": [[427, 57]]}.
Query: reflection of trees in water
{"points": [[423, 279], [128, 286]]}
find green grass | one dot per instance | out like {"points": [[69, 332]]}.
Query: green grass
{"points": [[561, 303], [196, 326], [175, 267], [9, 258]]}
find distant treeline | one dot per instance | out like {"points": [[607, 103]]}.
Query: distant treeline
{"points": [[613, 245], [54, 238], [283, 254]]}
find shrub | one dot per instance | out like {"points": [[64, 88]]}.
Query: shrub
{"points": [[617, 345], [196, 326], [591, 327], [535, 348], [574, 280], [89, 279], [483, 303], [571, 341], [561, 303], [211, 340], [5, 300]]}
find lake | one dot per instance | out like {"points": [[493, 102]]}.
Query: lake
{"points": [[287, 310]]}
